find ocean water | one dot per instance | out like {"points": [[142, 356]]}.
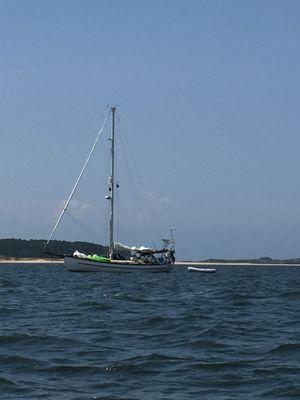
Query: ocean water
{"points": [[234, 334]]}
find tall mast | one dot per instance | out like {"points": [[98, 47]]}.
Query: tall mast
{"points": [[112, 185]]}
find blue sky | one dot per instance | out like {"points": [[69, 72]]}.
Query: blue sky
{"points": [[208, 95]]}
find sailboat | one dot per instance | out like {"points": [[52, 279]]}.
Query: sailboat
{"points": [[136, 259]]}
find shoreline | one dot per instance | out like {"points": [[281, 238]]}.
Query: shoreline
{"points": [[31, 261], [249, 264], [177, 263]]}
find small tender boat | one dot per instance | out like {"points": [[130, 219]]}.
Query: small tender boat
{"points": [[198, 269]]}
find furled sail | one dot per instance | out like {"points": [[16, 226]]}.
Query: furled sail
{"points": [[142, 249], [119, 246]]}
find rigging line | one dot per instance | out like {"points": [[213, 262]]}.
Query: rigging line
{"points": [[150, 204], [77, 182], [117, 212], [146, 225], [135, 194], [92, 235]]}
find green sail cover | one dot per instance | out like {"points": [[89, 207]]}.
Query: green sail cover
{"points": [[95, 257]]}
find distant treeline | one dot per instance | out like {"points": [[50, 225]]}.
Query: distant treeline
{"points": [[261, 260], [33, 248]]}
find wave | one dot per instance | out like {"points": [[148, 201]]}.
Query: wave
{"points": [[285, 348], [289, 392], [20, 361], [6, 382], [26, 339], [109, 397], [92, 371], [223, 365], [291, 295], [8, 310], [196, 344], [94, 305], [241, 300], [6, 283]]}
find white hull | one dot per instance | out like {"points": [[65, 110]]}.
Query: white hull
{"points": [[81, 265], [197, 269]]}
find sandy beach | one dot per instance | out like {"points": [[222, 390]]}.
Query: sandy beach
{"points": [[183, 263], [31, 261]]}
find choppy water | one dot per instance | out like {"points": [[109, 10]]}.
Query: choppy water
{"points": [[229, 335]]}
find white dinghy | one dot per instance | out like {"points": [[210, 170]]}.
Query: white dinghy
{"points": [[198, 269]]}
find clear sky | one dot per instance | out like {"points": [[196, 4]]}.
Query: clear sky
{"points": [[208, 95]]}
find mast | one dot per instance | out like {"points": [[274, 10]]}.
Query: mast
{"points": [[112, 185]]}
